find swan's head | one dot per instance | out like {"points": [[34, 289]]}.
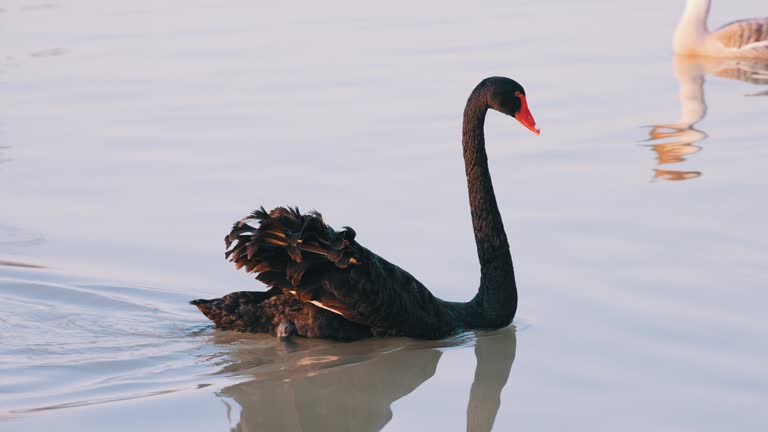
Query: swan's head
{"points": [[507, 96]]}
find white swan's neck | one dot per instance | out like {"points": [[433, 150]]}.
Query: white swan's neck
{"points": [[690, 74], [692, 30]]}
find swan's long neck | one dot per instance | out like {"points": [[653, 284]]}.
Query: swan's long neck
{"points": [[496, 301], [692, 29]]}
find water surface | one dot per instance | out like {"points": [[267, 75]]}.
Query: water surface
{"points": [[133, 134]]}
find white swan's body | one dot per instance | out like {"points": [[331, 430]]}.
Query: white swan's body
{"points": [[744, 38]]}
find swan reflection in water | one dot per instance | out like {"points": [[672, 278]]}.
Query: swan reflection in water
{"points": [[674, 142], [310, 385]]}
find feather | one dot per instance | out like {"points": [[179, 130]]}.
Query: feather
{"points": [[282, 238], [300, 254]]}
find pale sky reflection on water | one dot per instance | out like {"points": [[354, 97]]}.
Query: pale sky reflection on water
{"points": [[132, 134]]}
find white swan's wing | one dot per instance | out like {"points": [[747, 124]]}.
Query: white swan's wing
{"points": [[756, 49], [748, 34], [757, 45]]}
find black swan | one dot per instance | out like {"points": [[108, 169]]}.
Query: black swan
{"points": [[325, 284]]}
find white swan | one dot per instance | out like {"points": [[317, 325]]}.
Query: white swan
{"points": [[743, 38]]}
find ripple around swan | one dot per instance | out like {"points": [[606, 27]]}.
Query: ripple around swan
{"points": [[68, 344]]}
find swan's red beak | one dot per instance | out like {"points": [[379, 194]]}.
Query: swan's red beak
{"points": [[525, 117]]}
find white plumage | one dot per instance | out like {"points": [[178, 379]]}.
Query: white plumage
{"points": [[746, 38]]}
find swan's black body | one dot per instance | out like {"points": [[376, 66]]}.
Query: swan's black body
{"points": [[325, 284]]}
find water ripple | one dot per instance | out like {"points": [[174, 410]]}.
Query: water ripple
{"points": [[67, 344]]}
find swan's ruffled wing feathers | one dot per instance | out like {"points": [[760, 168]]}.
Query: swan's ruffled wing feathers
{"points": [[748, 34], [302, 255], [281, 245]]}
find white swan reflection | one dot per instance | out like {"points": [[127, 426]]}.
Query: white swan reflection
{"points": [[674, 142]]}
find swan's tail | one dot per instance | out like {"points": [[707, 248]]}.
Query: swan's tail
{"points": [[283, 246], [237, 311]]}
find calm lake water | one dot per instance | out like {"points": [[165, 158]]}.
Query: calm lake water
{"points": [[132, 134]]}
